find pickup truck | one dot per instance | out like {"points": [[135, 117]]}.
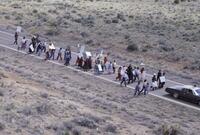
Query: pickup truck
{"points": [[185, 92]]}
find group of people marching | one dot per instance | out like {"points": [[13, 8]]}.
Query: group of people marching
{"points": [[105, 66], [129, 75], [84, 62], [125, 75], [38, 47]]}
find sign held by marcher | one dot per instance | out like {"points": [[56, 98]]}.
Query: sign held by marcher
{"points": [[19, 29]]}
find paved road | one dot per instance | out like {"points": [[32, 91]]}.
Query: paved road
{"points": [[6, 41]]}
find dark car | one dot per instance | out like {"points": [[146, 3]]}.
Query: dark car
{"points": [[186, 92]]}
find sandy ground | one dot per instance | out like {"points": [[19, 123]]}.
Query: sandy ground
{"points": [[40, 98]]}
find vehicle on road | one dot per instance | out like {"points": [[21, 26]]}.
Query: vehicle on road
{"points": [[185, 92]]}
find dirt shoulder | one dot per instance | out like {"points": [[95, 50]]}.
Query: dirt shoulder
{"points": [[39, 97]]}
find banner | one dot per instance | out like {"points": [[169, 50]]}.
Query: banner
{"points": [[19, 29], [162, 79], [31, 47], [100, 68], [82, 49]]}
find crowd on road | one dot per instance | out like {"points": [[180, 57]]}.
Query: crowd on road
{"points": [[124, 74]]}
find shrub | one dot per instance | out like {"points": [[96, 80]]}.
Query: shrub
{"points": [[1, 94], [35, 11], [85, 122], [111, 128], [2, 126], [52, 32], [115, 20], [169, 130], [7, 17], [132, 47], [176, 1]]}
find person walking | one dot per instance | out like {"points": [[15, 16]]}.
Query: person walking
{"points": [[142, 74], [59, 57], [80, 62], [23, 43], [119, 76], [137, 88], [162, 80], [47, 55], [130, 74], [110, 68], [90, 62], [154, 82], [33, 40], [124, 79], [137, 74], [114, 66], [105, 61], [39, 48], [143, 87], [67, 57], [159, 75], [16, 38], [52, 50], [147, 89]]}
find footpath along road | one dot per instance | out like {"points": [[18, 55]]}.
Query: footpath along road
{"points": [[6, 41]]}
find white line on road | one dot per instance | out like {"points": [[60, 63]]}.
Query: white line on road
{"points": [[105, 79]]}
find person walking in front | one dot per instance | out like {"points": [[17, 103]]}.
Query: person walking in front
{"points": [[162, 81], [146, 89], [143, 87], [137, 89], [16, 38]]}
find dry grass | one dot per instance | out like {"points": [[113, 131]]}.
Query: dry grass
{"points": [[163, 31]]}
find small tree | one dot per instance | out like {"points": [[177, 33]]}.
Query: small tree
{"points": [[176, 1], [132, 47]]}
